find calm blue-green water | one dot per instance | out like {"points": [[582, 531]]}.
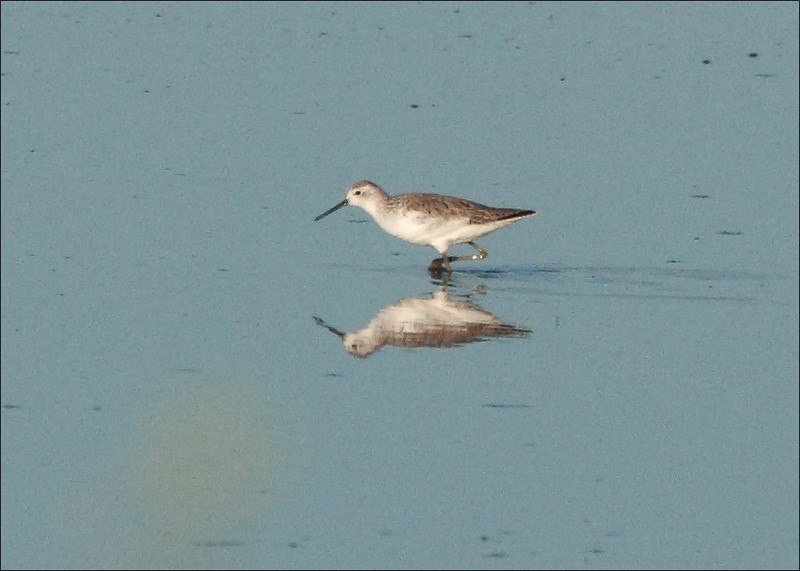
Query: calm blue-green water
{"points": [[615, 386]]}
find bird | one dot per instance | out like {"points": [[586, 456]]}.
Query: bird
{"points": [[429, 219]]}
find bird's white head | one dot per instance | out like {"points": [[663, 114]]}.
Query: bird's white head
{"points": [[364, 194]]}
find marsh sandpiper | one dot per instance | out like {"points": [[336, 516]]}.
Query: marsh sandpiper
{"points": [[430, 219]]}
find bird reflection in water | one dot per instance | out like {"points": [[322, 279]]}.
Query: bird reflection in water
{"points": [[438, 322]]}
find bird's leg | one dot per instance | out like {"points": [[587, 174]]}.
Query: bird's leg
{"points": [[479, 256], [481, 252], [436, 265]]}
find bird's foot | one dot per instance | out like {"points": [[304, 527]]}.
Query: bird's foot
{"points": [[441, 266]]}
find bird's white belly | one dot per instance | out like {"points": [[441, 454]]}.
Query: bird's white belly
{"points": [[429, 230]]}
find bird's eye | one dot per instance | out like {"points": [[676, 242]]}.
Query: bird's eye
{"points": [[357, 193]]}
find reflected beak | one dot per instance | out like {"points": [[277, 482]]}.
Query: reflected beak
{"points": [[334, 209], [321, 323]]}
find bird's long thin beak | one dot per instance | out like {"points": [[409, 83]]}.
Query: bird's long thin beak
{"points": [[334, 209]]}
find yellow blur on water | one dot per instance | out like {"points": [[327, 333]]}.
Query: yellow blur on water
{"points": [[198, 467]]}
